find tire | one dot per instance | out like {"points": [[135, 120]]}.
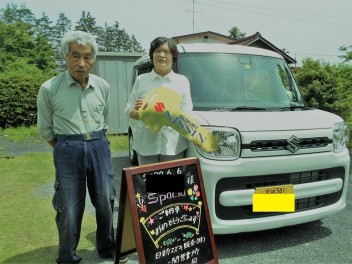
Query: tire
{"points": [[131, 152]]}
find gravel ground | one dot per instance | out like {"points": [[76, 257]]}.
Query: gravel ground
{"points": [[10, 148]]}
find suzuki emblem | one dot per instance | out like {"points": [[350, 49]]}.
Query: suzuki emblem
{"points": [[293, 144]]}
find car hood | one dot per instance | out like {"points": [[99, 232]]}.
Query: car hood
{"points": [[269, 121]]}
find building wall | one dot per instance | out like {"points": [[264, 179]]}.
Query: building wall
{"points": [[116, 69]]}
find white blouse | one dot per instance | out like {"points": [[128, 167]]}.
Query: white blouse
{"points": [[167, 141]]}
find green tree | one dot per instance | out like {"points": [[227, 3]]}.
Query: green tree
{"points": [[317, 84], [347, 50], [17, 40], [113, 38], [135, 45], [14, 13], [105, 38], [26, 60], [43, 26], [236, 33], [122, 40], [326, 86], [62, 26], [44, 55], [344, 84], [87, 23], [109, 38]]}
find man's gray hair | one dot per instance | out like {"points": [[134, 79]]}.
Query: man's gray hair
{"points": [[80, 37]]}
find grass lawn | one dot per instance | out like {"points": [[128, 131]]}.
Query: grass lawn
{"points": [[27, 219], [117, 142]]}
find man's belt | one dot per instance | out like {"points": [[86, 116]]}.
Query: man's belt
{"points": [[82, 137]]}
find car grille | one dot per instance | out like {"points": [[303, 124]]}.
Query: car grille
{"points": [[282, 144], [243, 183]]}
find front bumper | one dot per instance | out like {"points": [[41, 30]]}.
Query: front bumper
{"points": [[320, 185]]}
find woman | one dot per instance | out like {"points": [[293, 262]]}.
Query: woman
{"points": [[167, 144]]}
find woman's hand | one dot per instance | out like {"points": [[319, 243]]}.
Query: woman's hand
{"points": [[135, 112]]}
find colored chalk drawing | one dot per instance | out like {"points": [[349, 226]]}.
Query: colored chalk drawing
{"points": [[173, 225], [165, 225], [183, 216]]}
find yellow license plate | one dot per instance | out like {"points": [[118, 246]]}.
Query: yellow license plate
{"points": [[278, 189]]}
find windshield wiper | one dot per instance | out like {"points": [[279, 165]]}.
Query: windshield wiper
{"points": [[240, 108], [291, 108]]}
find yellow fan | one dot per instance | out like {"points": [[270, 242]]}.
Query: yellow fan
{"points": [[161, 107]]}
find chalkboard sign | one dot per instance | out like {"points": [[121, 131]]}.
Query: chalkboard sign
{"points": [[163, 214]]}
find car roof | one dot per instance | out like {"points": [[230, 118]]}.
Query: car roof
{"points": [[217, 48]]}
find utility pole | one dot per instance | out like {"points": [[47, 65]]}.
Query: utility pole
{"points": [[193, 16]]}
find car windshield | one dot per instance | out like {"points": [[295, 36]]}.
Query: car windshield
{"points": [[237, 82]]}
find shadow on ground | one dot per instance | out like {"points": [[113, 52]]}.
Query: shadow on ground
{"points": [[244, 244]]}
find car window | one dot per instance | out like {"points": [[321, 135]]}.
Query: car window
{"points": [[230, 80]]}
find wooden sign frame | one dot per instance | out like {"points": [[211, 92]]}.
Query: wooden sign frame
{"points": [[132, 231]]}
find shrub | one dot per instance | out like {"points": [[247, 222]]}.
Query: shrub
{"points": [[19, 87], [326, 87]]}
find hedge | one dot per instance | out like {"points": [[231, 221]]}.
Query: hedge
{"points": [[18, 97]]}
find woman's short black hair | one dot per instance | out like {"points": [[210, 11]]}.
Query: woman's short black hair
{"points": [[156, 43]]}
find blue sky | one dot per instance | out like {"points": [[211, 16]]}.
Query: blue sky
{"points": [[305, 28]]}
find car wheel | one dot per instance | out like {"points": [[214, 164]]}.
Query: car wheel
{"points": [[131, 152]]}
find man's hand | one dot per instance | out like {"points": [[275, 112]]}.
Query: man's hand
{"points": [[52, 143]]}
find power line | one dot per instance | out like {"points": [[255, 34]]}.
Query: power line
{"points": [[271, 15], [281, 10], [312, 54]]}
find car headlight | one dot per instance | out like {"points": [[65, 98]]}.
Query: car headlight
{"points": [[229, 141], [341, 136]]}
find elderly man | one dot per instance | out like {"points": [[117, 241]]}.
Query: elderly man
{"points": [[73, 111]]}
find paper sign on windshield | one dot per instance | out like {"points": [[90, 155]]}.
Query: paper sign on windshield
{"points": [[161, 107]]}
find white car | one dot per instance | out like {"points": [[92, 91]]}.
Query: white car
{"points": [[267, 137]]}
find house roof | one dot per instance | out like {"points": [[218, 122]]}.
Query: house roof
{"points": [[255, 40], [206, 36]]}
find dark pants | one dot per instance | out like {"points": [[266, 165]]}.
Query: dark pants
{"points": [[80, 164]]}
